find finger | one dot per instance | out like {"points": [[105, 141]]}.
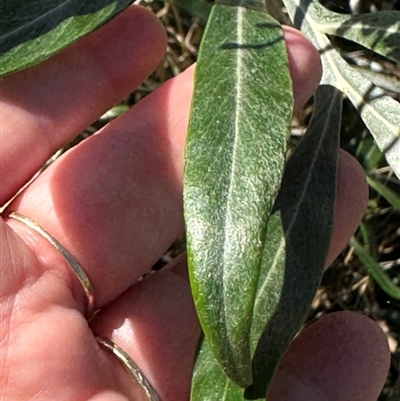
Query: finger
{"points": [[351, 203], [44, 107], [45, 342], [115, 201], [156, 324], [305, 66], [343, 356]]}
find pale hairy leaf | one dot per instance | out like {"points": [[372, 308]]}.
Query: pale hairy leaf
{"points": [[306, 202], [235, 154], [380, 112], [32, 31], [378, 31]]}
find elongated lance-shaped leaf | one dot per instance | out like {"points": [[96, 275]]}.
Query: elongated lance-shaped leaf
{"points": [[380, 112], [235, 150], [373, 72], [375, 271], [306, 202], [379, 31], [382, 188], [32, 31], [293, 258]]}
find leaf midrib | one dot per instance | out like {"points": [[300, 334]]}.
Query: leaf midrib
{"points": [[237, 109]]}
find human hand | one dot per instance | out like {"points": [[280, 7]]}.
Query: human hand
{"points": [[115, 202]]}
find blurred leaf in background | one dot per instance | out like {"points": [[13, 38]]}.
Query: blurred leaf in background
{"points": [[197, 8], [30, 32]]}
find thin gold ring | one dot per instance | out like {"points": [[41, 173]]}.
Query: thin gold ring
{"points": [[79, 272], [130, 365]]}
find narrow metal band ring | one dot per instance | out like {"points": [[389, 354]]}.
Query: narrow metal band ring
{"points": [[79, 272], [130, 365]]}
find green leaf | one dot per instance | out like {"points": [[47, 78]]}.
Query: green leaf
{"points": [[31, 32], [197, 8], [380, 112], [210, 383], [392, 197], [369, 154], [378, 31], [375, 270], [293, 257], [241, 113], [388, 82], [306, 202]]}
